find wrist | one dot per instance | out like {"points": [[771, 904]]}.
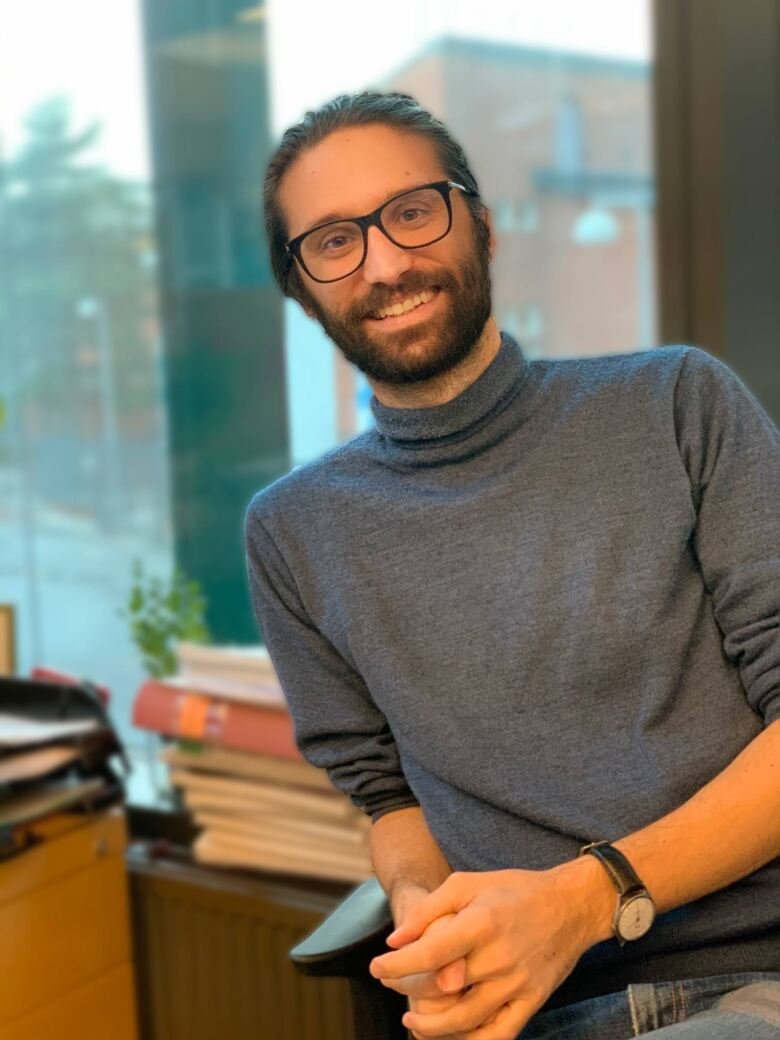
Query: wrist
{"points": [[590, 897], [403, 897]]}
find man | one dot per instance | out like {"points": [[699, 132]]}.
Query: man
{"points": [[536, 609]]}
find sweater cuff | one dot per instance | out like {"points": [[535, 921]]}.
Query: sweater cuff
{"points": [[386, 807]]}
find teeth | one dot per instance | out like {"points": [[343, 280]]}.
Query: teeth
{"points": [[406, 305]]}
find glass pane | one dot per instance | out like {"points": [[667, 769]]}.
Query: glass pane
{"points": [[83, 432], [553, 105], [152, 377], [333, 251], [416, 217]]}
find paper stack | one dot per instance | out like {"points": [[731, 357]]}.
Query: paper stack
{"points": [[269, 813], [259, 804], [245, 673], [55, 748]]}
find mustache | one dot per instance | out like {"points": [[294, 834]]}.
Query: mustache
{"points": [[409, 287]]}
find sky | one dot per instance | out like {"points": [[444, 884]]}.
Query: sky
{"points": [[363, 46], [91, 51], [87, 49]]}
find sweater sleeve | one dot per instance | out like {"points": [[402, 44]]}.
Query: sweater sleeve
{"points": [[731, 450], [338, 727]]}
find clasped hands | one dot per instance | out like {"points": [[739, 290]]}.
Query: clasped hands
{"points": [[482, 953]]}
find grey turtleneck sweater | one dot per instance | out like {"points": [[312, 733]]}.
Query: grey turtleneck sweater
{"points": [[548, 612]]}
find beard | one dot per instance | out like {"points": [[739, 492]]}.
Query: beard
{"points": [[453, 334]]}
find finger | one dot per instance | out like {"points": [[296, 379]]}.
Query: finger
{"points": [[423, 1006], [455, 938], [452, 977], [475, 1007], [449, 980], [480, 1034], [508, 1020], [422, 985], [416, 1036], [432, 927], [448, 898]]}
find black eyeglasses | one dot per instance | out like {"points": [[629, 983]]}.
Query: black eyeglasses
{"points": [[413, 219]]}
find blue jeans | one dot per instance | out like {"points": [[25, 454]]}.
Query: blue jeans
{"points": [[722, 1007]]}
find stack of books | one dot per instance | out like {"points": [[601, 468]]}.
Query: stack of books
{"points": [[258, 803], [56, 746]]}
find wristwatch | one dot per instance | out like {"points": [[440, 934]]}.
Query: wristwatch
{"points": [[635, 910]]}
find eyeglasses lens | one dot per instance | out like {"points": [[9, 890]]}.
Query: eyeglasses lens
{"points": [[414, 219]]}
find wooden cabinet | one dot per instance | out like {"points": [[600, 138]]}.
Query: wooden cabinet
{"points": [[66, 966]]}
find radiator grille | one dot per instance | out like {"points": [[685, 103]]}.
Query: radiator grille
{"points": [[211, 950]]}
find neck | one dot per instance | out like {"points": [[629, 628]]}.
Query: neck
{"points": [[448, 385]]}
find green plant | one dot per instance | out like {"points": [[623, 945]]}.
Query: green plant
{"points": [[159, 613]]}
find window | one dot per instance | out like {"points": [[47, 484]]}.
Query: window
{"points": [[152, 376]]}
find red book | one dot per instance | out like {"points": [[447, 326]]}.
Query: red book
{"points": [[50, 675], [176, 712]]}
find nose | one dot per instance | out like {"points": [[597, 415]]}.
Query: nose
{"points": [[385, 261]]}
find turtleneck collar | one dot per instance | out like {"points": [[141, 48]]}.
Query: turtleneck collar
{"points": [[466, 425]]}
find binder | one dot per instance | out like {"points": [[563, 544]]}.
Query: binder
{"points": [[56, 748]]}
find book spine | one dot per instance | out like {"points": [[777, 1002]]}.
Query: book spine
{"points": [[193, 716]]}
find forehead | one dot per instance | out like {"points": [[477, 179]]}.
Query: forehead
{"points": [[352, 172]]}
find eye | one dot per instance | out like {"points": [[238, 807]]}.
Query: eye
{"points": [[411, 212], [334, 242]]}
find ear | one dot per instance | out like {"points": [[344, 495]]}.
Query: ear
{"points": [[492, 241], [297, 293]]}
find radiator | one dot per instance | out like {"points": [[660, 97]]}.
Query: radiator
{"points": [[211, 953]]}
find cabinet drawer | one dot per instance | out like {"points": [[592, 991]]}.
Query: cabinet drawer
{"points": [[71, 841], [103, 1008], [63, 916]]}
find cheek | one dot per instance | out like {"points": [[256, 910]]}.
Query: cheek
{"points": [[323, 305], [343, 309]]}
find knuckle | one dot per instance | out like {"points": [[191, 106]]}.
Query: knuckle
{"points": [[498, 1032], [433, 991], [507, 960], [485, 923], [429, 1005], [496, 917], [502, 963], [524, 984], [418, 985], [466, 1018], [425, 963]]}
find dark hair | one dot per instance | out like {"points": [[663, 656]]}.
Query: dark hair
{"points": [[400, 111]]}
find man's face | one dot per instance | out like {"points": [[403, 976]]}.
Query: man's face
{"points": [[350, 173]]}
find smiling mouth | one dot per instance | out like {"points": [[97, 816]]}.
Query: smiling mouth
{"points": [[413, 313]]}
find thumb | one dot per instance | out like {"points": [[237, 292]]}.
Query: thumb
{"points": [[452, 977]]}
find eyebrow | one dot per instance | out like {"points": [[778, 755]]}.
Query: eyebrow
{"points": [[335, 215]]}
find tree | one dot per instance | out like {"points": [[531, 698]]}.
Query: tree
{"points": [[72, 231]]}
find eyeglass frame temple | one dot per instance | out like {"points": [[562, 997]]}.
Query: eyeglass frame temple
{"points": [[372, 220]]}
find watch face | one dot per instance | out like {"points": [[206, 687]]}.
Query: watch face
{"points": [[635, 917]]}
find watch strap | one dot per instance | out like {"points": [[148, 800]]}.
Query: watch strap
{"points": [[620, 871]]}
